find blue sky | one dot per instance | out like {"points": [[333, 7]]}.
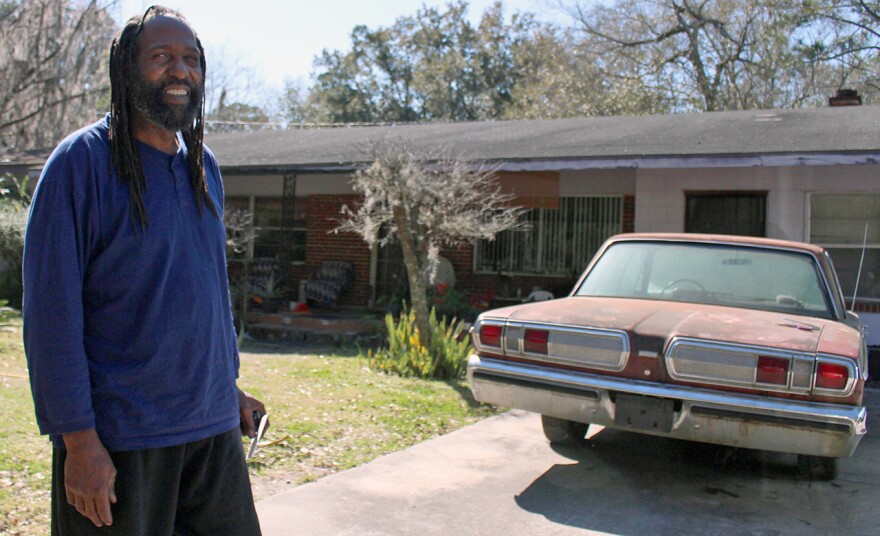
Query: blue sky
{"points": [[279, 38]]}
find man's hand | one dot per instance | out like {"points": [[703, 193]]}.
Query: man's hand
{"points": [[247, 404], [89, 477]]}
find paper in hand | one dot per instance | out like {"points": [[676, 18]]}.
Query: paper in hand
{"points": [[261, 429]]}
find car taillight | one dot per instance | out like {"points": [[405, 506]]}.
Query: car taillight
{"points": [[772, 370], [831, 376], [490, 335], [535, 341]]}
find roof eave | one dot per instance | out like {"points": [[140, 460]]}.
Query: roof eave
{"points": [[617, 162]]}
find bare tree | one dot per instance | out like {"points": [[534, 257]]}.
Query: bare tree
{"points": [[843, 37], [240, 236], [704, 54], [427, 201], [236, 94], [240, 232], [569, 81], [53, 57]]}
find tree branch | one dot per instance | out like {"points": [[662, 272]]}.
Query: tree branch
{"points": [[31, 115]]}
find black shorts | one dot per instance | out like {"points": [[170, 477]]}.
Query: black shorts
{"points": [[200, 488]]}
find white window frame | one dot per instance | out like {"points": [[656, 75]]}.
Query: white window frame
{"points": [[830, 246]]}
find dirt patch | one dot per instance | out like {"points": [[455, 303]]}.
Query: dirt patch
{"points": [[264, 486]]}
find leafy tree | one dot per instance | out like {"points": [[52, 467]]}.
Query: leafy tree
{"points": [[238, 117], [434, 66], [346, 92], [53, 66], [427, 201], [461, 72], [293, 102]]}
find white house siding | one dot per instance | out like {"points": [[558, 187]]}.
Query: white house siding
{"points": [[571, 183], [597, 182], [273, 185], [660, 199], [660, 193], [247, 185]]}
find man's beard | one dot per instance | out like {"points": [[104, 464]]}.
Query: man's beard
{"points": [[147, 98]]}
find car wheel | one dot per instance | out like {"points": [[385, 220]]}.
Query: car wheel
{"points": [[561, 431], [817, 467]]}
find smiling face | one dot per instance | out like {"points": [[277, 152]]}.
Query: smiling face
{"points": [[167, 82]]}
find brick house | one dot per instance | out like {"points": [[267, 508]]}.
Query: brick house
{"points": [[811, 175]]}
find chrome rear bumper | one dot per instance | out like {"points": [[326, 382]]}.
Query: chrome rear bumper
{"points": [[719, 417]]}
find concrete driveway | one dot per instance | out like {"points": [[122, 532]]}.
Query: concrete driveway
{"points": [[500, 476]]}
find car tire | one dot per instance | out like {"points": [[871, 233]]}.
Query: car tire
{"points": [[563, 432], [817, 467]]}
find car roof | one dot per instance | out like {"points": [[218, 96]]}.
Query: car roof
{"points": [[719, 239]]}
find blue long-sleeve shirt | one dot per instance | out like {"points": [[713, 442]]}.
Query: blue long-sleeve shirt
{"points": [[128, 331]]}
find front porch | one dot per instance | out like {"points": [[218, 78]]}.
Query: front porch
{"points": [[335, 326]]}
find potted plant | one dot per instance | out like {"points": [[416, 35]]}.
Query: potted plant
{"points": [[268, 292]]}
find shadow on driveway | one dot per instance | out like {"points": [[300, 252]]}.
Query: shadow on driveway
{"points": [[500, 476]]}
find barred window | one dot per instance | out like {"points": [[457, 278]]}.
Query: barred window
{"points": [[558, 241]]}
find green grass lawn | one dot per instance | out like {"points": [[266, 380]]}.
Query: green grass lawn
{"points": [[328, 413], [25, 456]]}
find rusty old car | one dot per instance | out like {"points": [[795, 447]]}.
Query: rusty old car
{"points": [[736, 341]]}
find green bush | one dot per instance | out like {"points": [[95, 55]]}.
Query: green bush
{"points": [[443, 359], [14, 203], [7, 314]]}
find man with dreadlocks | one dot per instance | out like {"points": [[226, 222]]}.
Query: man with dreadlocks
{"points": [[127, 321]]}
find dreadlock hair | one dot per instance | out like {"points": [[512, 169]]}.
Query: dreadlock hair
{"points": [[126, 158]]}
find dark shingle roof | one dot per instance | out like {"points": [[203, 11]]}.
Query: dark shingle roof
{"points": [[803, 132]]}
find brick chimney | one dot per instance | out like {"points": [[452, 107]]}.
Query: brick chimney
{"points": [[845, 97]]}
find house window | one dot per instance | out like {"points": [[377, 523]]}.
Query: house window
{"points": [[558, 242], [838, 222], [730, 213], [273, 240]]}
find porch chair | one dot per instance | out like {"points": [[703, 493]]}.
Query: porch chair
{"points": [[325, 286], [538, 295]]}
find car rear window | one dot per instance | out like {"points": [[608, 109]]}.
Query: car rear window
{"points": [[715, 274]]}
